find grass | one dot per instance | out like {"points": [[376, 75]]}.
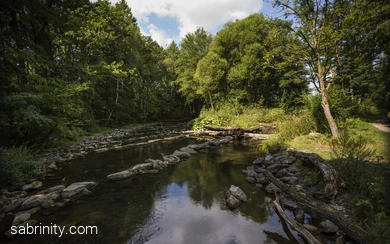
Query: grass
{"points": [[376, 140]]}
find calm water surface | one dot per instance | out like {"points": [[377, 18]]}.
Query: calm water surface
{"points": [[183, 204]]}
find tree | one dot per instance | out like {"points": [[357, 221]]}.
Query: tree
{"points": [[210, 70], [193, 48], [318, 25]]}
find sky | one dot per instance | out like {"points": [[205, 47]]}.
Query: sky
{"points": [[170, 20]]}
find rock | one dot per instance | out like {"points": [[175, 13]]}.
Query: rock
{"points": [[281, 173], [235, 197], [201, 146], [267, 200], [271, 188], [181, 155], [35, 201], [237, 193], [314, 135], [232, 202], [53, 189], [13, 205], [226, 140], [289, 203], [33, 186], [16, 186], [275, 167], [187, 150], [31, 211], [52, 167], [328, 226], [250, 180], [292, 169], [290, 179], [16, 194], [259, 186], [79, 188], [171, 159], [261, 179], [120, 175], [10, 234], [299, 215], [214, 142], [244, 171], [258, 161], [312, 229], [157, 164], [20, 218], [259, 170], [288, 160], [251, 173], [141, 167]]}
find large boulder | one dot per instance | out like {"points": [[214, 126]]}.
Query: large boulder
{"points": [[171, 159], [235, 197], [40, 200], [187, 150], [20, 218]]}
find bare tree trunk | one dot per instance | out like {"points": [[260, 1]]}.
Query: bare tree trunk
{"points": [[116, 102], [211, 101]]}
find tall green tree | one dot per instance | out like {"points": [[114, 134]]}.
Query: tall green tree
{"points": [[193, 47]]}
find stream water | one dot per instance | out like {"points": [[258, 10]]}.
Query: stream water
{"points": [[182, 204]]}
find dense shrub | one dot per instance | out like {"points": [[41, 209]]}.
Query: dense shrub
{"points": [[17, 163]]}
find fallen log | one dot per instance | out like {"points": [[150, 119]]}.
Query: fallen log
{"points": [[296, 226], [262, 127], [320, 208], [330, 176]]}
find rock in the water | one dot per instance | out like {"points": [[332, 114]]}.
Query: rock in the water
{"points": [[187, 150], [14, 204], [120, 175], [232, 202], [171, 159], [237, 193], [271, 188], [289, 203], [142, 167], [52, 167], [259, 169], [20, 218], [267, 200], [259, 186], [181, 155], [328, 226], [299, 215], [53, 189], [10, 234], [79, 188], [235, 197], [258, 161], [38, 200], [33, 186], [250, 180]]}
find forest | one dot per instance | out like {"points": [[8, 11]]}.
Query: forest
{"points": [[71, 68]]}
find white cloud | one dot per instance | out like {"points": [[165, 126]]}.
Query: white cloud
{"points": [[209, 14], [158, 35]]}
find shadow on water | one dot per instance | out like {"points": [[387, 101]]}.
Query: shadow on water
{"points": [[183, 204]]}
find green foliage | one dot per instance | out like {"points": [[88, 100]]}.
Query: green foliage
{"points": [[364, 179], [296, 124], [273, 144], [17, 163], [311, 178]]}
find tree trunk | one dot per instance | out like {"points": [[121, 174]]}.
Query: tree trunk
{"points": [[211, 101], [116, 102]]}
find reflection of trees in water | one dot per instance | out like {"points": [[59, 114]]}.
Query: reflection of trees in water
{"points": [[209, 176]]}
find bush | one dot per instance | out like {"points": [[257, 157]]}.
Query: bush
{"points": [[365, 181], [16, 163], [296, 125]]}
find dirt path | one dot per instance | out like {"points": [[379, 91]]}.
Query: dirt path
{"points": [[382, 127]]}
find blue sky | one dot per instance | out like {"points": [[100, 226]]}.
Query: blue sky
{"points": [[170, 20]]}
